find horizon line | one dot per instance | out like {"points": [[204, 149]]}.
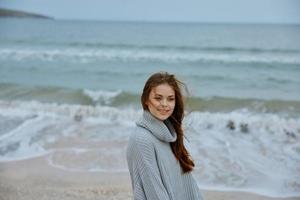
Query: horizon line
{"points": [[151, 21], [162, 21]]}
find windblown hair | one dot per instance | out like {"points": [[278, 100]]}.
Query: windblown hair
{"points": [[176, 118]]}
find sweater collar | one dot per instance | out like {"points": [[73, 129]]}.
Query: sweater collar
{"points": [[163, 130]]}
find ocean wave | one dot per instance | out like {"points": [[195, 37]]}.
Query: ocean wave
{"points": [[236, 149], [104, 97], [76, 112], [239, 149], [66, 95], [158, 47], [30, 110], [132, 55], [44, 123], [119, 99]]}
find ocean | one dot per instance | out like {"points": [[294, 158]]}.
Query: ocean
{"points": [[70, 91]]}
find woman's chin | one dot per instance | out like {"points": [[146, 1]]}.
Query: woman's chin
{"points": [[162, 117]]}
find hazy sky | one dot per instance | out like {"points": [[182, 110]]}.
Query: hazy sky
{"points": [[249, 11]]}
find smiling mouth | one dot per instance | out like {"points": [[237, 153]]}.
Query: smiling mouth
{"points": [[164, 111]]}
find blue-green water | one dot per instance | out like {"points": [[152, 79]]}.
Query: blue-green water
{"points": [[238, 61], [60, 79]]}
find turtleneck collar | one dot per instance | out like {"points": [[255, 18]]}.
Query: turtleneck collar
{"points": [[163, 130]]}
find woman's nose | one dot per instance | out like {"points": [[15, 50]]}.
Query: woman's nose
{"points": [[164, 102]]}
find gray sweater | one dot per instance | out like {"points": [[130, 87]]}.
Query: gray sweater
{"points": [[155, 173]]}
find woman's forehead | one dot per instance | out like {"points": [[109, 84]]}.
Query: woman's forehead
{"points": [[164, 90]]}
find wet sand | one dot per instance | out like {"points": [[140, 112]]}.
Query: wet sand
{"points": [[34, 179]]}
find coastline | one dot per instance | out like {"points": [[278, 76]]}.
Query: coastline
{"points": [[34, 179], [4, 12]]}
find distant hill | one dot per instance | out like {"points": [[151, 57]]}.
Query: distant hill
{"points": [[21, 14]]}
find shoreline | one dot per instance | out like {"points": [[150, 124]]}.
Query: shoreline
{"points": [[34, 179]]}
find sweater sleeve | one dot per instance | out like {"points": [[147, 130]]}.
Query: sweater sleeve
{"points": [[147, 168]]}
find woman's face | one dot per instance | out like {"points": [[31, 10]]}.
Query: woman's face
{"points": [[161, 101]]}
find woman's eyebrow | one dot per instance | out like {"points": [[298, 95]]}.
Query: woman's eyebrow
{"points": [[160, 95]]}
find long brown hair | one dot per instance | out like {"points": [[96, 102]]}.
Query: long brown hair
{"points": [[176, 118]]}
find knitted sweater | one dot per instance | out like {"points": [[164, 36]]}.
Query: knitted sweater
{"points": [[155, 173]]}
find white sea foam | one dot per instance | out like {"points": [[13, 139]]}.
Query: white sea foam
{"points": [[104, 114], [263, 158], [239, 150], [102, 96], [90, 55], [48, 123], [18, 143]]}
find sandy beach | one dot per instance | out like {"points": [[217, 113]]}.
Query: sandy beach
{"points": [[34, 179]]}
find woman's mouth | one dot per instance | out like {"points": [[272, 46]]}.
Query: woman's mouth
{"points": [[163, 112]]}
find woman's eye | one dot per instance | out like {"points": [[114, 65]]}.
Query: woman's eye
{"points": [[172, 99], [157, 98]]}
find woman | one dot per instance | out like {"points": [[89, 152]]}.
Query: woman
{"points": [[158, 161]]}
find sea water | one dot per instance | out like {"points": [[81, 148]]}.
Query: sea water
{"points": [[70, 91]]}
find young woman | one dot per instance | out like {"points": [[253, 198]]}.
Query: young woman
{"points": [[158, 161]]}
